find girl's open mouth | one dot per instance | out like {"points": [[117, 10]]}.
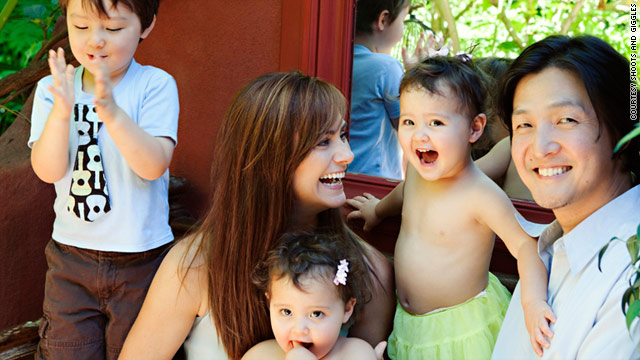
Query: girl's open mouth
{"points": [[427, 156]]}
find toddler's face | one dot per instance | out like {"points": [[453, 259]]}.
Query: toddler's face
{"points": [[433, 133], [312, 317], [94, 38]]}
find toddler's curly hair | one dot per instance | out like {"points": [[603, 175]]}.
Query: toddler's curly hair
{"points": [[303, 255]]}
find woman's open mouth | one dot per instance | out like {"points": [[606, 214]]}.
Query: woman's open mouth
{"points": [[332, 179]]}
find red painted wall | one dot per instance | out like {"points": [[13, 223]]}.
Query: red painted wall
{"points": [[212, 48]]}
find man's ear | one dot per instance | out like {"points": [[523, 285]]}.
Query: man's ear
{"points": [[348, 310], [477, 127], [383, 20], [146, 31]]}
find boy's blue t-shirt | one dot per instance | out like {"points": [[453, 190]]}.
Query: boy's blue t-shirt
{"points": [[374, 102], [139, 216]]}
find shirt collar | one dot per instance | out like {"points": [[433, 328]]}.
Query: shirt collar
{"points": [[357, 48], [589, 236]]}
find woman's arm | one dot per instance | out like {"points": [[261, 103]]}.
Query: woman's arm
{"points": [[169, 309], [375, 320]]}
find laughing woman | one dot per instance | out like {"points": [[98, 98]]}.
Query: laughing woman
{"points": [[280, 156]]}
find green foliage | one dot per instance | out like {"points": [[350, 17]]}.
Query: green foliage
{"points": [[631, 299], [27, 27], [488, 26]]}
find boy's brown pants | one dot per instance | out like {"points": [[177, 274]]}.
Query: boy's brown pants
{"points": [[92, 299]]}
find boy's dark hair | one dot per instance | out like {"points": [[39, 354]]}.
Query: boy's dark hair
{"points": [[605, 74], [145, 9], [458, 72], [367, 11], [316, 255]]}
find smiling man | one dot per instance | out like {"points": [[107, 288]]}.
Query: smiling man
{"points": [[566, 102]]}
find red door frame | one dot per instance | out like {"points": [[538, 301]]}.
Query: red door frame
{"points": [[317, 38]]}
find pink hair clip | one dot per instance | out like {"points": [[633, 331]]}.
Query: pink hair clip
{"points": [[443, 51], [341, 274]]}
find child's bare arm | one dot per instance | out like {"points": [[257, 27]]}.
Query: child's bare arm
{"points": [[499, 214], [50, 154], [372, 210], [495, 163], [147, 155]]}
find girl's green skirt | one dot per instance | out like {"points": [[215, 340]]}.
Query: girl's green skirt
{"points": [[464, 331]]}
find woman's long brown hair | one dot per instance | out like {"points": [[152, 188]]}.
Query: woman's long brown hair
{"points": [[271, 126]]}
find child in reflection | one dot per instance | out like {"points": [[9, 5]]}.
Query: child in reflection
{"points": [[376, 79], [449, 305], [312, 285], [493, 155]]}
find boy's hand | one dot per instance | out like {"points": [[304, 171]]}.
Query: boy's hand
{"points": [[62, 89], [536, 317], [366, 210], [106, 106], [419, 53], [299, 352]]}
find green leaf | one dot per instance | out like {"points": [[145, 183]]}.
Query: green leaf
{"points": [[625, 299], [508, 46], [601, 253], [635, 132], [632, 313], [635, 281], [633, 247]]}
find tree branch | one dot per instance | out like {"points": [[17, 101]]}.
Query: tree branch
{"points": [[445, 11], [55, 38], [6, 11], [505, 20], [15, 95], [469, 5], [572, 17], [29, 75]]}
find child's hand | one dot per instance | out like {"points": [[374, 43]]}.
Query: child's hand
{"points": [[366, 210], [536, 317], [62, 89], [379, 350], [106, 106], [299, 352], [419, 53]]}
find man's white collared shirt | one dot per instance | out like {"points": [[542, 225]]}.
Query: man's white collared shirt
{"points": [[586, 301]]}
